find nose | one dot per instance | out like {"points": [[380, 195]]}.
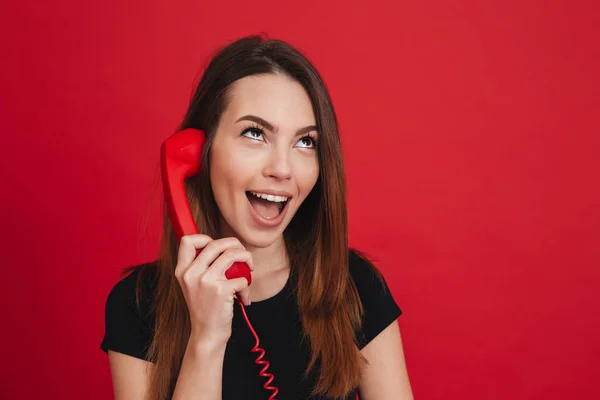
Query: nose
{"points": [[278, 165]]}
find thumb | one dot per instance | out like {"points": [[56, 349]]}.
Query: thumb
{"points": [[239, 286], [244, 295]]}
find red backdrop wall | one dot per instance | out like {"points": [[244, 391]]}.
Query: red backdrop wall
{"points": [[471, 138]]}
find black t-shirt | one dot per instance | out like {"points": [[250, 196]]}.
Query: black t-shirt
{"points": [[276, 321]]}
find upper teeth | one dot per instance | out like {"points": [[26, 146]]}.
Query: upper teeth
{"points": [[270, 197]]}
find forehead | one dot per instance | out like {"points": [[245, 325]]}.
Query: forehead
{"points": [[276, 98]]}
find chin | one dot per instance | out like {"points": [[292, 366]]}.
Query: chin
{"points": [[260, 240]]}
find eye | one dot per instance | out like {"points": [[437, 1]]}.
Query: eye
{"points": [[307, 142], [253, 133]]}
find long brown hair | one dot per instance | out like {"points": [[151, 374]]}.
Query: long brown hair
{"points": [[316, 238]]}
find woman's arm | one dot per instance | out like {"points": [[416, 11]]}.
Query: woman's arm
{"points": [[130, 376], [385, 377], [201, 372]]}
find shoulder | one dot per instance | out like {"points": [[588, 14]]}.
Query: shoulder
{"points": [[362, 269], [379, 306], [129, 318], [369, 281], [134, 289]]}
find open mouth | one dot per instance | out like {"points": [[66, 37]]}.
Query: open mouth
{"points": [[266, 205]]}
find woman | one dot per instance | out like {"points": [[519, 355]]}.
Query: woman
{"points": [[270, 193]]}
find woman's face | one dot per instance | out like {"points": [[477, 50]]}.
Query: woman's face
{"points": [[264, 161]]}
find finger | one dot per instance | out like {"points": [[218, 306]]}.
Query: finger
{"points": [[244, 295], [236, 285], [187, 250], [225, 260], [214, 249], [209, 253], [250, 263]]}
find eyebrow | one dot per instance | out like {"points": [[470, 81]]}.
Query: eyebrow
{"points": [[270, 126]]}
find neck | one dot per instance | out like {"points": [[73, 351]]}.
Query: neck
{"points": [[266, 260], [269, 259]]}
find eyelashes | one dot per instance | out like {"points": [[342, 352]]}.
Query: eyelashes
{"points": [[255, 132], [254, 129], [312, 138]]}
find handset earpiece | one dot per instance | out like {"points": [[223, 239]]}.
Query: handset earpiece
{"points": [[180, 158]]}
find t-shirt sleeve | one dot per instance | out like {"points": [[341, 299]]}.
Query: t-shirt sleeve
{"points": [[127, 329], [380, 308]]}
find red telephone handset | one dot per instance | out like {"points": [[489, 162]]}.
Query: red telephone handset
{"points": [[180, 159]]}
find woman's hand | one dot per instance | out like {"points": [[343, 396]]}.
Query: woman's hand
{"points": [[208, 293]]}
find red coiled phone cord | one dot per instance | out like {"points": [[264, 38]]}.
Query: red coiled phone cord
{"points": [[259, 359]]}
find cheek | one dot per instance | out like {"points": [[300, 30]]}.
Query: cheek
{"points": [[222, 174], [228, 175], [307, 177]]}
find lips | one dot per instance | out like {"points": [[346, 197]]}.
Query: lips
{"points": [[268, 206], [267, 213]]}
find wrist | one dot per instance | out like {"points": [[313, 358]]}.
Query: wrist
{"points": [[207, 343]]}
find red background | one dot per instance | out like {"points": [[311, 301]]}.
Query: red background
{"points": [[471, 138]]}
